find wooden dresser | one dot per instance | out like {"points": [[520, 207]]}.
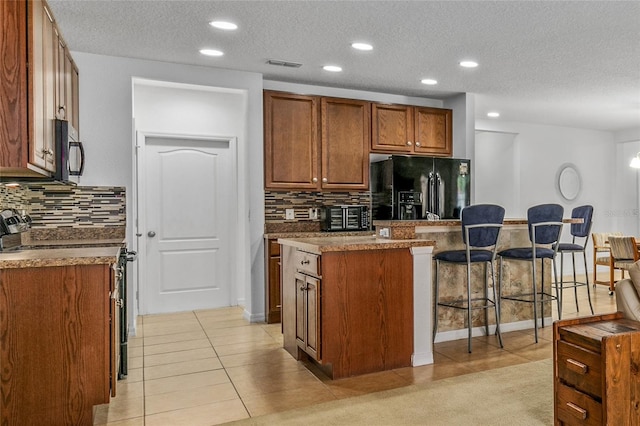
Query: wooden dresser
{"points": [[597, 371]]}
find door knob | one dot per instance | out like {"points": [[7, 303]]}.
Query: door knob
{"points": [[151, 234]]}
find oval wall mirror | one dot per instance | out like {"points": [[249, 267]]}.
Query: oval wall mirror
{"points": [[568, 181]]}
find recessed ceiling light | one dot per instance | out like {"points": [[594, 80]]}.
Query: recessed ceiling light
{"points": [[362, 46], [224, 25], [211, 52], [493, 114], [332, 68], [468, 64], [429, 81]]}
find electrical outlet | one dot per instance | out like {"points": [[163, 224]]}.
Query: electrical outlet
{"points": [[289, 214], [313, 213]]}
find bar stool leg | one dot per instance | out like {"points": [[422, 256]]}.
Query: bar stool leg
{"points": [[486, 301], [586, 274], [435, 306], [469, 319], [558, 296], [535, 299], [496, 304], [575, 281]]}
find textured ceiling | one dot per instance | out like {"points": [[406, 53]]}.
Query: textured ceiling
{"points": [[566, 63]]}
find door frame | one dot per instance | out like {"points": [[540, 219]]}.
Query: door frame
{"points": [[139, 210]]}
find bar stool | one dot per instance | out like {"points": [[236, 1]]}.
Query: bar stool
{"points": [[481, 225], [545, 227], [578, 231]]}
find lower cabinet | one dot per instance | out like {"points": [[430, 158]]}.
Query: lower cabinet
{"points": [[56, 344], [348, 312], [308, 315], [596, 377], [273, 298]]}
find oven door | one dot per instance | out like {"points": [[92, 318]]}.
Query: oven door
{"points": [[353, 218]]}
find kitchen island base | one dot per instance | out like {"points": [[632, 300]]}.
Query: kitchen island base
{"points": [[352, 311]]}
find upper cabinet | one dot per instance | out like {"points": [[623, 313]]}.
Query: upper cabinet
{"points": [[290, 141], [294, 158], [40, 86], [411, 129], [345, 144]]}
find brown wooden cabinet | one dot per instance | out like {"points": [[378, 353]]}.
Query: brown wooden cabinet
{"points": [[31, 88], [411, 129], [56, 343], [345, 144], [596, 376], [273, 299], [291, 141], [348, 317], [294, 158]]}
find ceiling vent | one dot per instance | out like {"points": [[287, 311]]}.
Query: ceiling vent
{"points": [[283, 63]]}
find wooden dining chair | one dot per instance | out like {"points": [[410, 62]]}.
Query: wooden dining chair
{"points": [[602, 257], [624, 253]]}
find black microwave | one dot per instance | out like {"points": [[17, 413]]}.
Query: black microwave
{"points": [[69, 153], [344, 218]]}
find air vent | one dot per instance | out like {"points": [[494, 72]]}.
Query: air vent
{"points": [[283, 63]]}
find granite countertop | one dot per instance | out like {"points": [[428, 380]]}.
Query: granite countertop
{"points": [[59, 257], [78, 243], [324, 244]]}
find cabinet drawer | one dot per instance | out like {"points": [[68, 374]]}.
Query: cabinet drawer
{"points": [[308, 263], [577, 408], [580, 368]]}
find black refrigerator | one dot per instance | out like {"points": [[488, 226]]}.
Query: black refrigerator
{"points": [[416, 188]]}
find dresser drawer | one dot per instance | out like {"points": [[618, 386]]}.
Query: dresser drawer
{"points": [[577, 408], [308, 263], [580, 368]]}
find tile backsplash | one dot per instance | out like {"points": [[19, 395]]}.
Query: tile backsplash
{"points": [[61, 206], [276, 203]]}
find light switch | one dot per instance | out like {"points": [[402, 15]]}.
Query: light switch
{"points": [[289, 214], [313, 213]]}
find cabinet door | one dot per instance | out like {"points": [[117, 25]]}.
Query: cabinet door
{"points": [[392, 128], [44, 54], [308, 315], [274, 299], [13, 98], [433, 131], [290, 141], [74, 102], [345, 144]]}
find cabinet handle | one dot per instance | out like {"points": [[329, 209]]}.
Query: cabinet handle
{"points": [[305, 262], [303, 288], [418, 144], [579, 412], [325, 180], [577, 366], [62, 111], [409, 143], [314, 180]]}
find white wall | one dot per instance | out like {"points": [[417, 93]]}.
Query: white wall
{"points": [[626, 193], [543, 149], [106, 128]]}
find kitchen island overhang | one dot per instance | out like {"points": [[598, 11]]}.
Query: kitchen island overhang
{"points": [[357, 305]]}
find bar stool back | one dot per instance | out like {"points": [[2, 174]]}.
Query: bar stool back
{"points": [[578, 232], [545, 228], [481, 225]]}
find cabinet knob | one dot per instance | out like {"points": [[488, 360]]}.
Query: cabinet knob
{"points": [[418, 144], [409, 143], [325, 180], [314, 180]]}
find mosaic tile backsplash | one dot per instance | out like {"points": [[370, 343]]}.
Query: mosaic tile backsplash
{"points": [[54, 206], [275, 204]]}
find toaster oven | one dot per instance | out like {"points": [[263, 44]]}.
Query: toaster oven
{"points": [[344, 218]]}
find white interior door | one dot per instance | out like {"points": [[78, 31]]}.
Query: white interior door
{"points": [[189, 186]]}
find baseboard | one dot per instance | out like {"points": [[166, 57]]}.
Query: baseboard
{"points": [[253, 317], [446, 336]]}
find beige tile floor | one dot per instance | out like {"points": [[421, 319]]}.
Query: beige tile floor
{"points": [[211, 367]]}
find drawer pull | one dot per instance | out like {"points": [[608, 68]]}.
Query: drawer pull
{"points": [[579, 412], [305, 262], [577, 366]]}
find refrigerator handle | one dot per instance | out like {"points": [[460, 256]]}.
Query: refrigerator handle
{"points": [[431, 202], [440, 196]]}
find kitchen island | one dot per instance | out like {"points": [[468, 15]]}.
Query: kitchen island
{"points": [[357, 304]]}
